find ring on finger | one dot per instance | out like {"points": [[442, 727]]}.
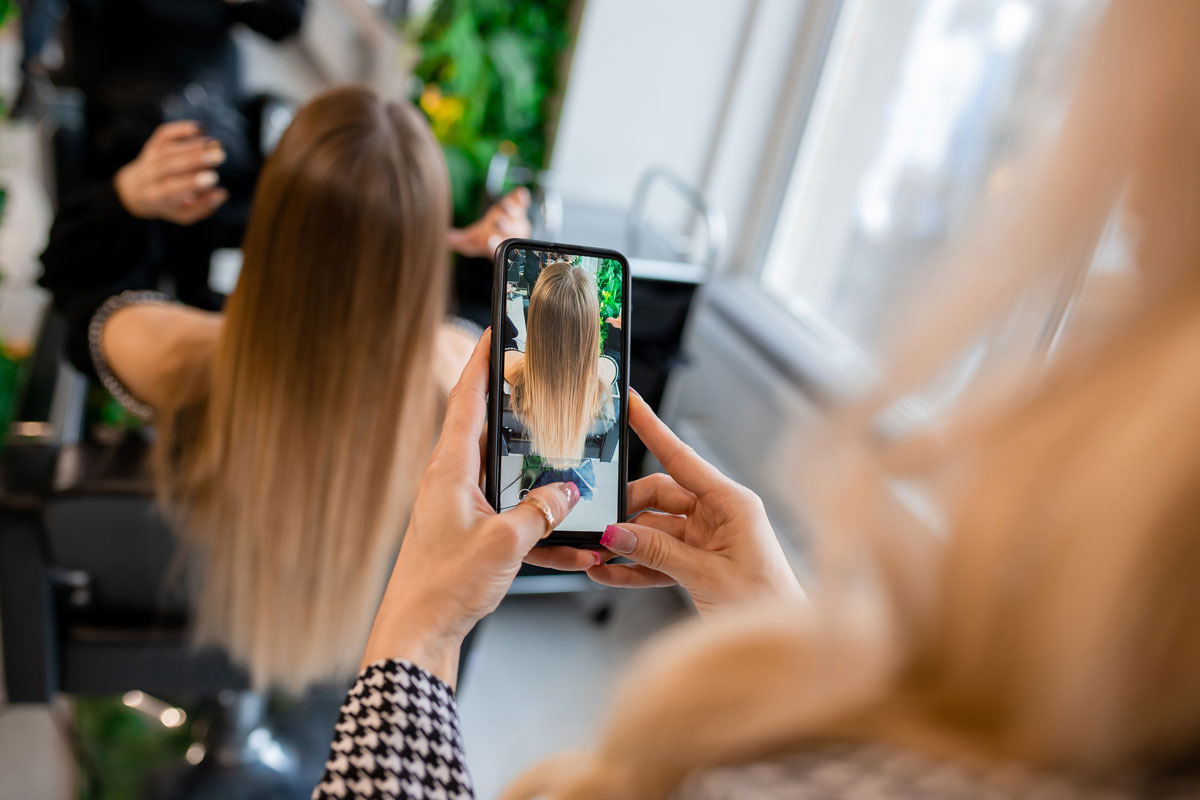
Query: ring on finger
{"points": [[544, 507]]}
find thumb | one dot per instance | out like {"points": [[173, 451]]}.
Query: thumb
{"points": [[655, 549], [542, 510]]}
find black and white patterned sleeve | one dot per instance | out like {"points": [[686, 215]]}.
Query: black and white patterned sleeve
{"points": [[397, 737]]}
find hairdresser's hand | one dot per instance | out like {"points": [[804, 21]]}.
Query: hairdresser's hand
{"points": [[506, 219], [172, 178], [694, 527], [459, 556]]}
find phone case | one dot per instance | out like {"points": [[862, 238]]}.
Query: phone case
{"points": [[492, 488]]}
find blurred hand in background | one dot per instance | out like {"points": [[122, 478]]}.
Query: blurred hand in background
{"points": [[508, 218], [173, 177]]}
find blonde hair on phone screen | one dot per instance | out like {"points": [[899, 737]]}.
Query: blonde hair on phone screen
{"points": [[557, 390]]}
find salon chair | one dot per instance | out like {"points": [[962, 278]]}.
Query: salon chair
{"points": [[91, 603], [514, 439]]}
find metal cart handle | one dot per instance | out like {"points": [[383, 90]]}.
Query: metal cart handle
{"points": [[712, 215]]}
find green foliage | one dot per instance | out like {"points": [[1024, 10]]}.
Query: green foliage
{"points": [[487, 73], [124, 747], [609, 285], [6, 7]]}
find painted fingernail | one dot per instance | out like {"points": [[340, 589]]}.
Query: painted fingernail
{"points": [[572, 493], [598, 556], [618, 540], [206, 179]]}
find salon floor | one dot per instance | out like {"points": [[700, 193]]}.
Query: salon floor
{"points": [[543, 674], [539, 681]]}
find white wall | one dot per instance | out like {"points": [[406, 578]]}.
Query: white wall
{"points": [[645, 86], [692, 85]]}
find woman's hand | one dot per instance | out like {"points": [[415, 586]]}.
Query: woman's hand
{"points": [[172, 178], [459, 556], [506, 219], [694, 527]]}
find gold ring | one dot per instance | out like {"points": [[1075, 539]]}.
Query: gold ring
{"points": [[542, 506]]}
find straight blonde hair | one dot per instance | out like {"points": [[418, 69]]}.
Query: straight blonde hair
{"points": [[557, 393], [1058, 622], [289, 470]]}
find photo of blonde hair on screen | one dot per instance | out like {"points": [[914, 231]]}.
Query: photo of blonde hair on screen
{"points": [[557, 388], [562, 351]]}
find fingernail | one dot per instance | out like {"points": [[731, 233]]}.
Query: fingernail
{"points": [[214, 154], [618, 540], [218, 197], [206, 179], [572, 493], [599, 558]]}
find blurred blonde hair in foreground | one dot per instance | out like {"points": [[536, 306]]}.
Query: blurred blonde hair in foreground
{"points": [[290, 466], [1056, 620], [557, 391]]}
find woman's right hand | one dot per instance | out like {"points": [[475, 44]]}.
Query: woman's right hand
{"points": [[459, 556], [695, 527], [173, 178]]}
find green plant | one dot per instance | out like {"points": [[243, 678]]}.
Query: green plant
{"points": [[123, 747], [487, 76], [609, 283]]}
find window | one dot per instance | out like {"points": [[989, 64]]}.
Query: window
{"points": [[922, 107]]}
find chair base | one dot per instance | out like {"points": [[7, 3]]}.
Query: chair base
{"points": [[256, 749]]}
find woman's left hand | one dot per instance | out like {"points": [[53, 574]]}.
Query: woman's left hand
{"points": [[459, 556], [508, 218]]}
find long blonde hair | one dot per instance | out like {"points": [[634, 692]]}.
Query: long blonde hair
{"points": [[290, 467], [1058, 621], [557, 393]]}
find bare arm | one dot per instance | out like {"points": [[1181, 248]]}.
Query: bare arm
{"points": [[452, 350], [512, 363], [151, 347]]}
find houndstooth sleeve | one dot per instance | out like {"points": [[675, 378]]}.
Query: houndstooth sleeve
{"points": [[397, 737]]}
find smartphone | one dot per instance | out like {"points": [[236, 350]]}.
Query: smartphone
{"points": [[558, 401]]}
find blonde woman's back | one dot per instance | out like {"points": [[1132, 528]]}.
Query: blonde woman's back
{"points": [[557, 390], [289, 468]]}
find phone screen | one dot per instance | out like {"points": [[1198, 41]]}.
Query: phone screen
{"points": [[560, 381]]}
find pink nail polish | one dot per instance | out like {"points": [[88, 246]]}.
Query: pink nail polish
{"points": [[572, 493], [618, 539], [599, 558]]}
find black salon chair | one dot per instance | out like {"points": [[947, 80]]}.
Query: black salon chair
{"points": [[92, 603], [514, 438]]}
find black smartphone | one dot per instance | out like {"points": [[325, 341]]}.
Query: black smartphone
{"points": [[558, 401]]}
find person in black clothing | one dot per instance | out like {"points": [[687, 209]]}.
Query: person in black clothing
{"points": [[146, 62], [142, 63]]}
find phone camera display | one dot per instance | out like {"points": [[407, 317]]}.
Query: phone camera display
{"points": [[561, 403]]}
